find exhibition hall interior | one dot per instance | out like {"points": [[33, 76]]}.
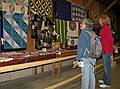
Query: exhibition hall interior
{"points": [[39, 41]]}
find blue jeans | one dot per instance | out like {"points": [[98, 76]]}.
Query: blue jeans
{"points": [[88, 76], [107, 68]]}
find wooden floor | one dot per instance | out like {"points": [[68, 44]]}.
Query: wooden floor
{"points": [[115, 74], [42, 81]]}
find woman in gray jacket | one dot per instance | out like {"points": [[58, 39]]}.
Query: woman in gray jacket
{"points": [[84, 59]]}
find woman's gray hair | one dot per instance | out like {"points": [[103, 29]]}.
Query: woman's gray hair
{"points": [[88, 23]]}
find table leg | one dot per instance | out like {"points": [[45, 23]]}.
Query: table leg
{"points": [[59, 69], [53, 70]]}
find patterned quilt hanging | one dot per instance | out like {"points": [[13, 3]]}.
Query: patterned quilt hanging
{"points": [[63, 9], [61, 29], [72, 32], [77, 12], [41, 7], [15, 23]]}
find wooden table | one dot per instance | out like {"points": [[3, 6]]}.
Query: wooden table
{"points": [[34, 61]]}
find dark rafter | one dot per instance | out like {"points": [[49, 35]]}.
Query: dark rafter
{"points": [[110, 6]]}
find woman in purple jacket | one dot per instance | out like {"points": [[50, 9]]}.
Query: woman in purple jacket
{"points": [[107, 49]]}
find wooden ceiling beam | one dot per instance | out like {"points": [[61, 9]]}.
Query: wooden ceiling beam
{"points": [[110, 6]]}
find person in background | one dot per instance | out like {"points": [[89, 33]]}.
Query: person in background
{"points": [[107, 49], [83, 58]]}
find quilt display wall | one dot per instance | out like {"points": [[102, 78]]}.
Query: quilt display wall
{"points": [[14, 23], [68, 31], [77, 13]]}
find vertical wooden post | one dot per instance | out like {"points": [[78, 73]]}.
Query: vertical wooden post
{"points": [[59, 69], [42, 68], [29, 39], [53, 70], [35, 70]]}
